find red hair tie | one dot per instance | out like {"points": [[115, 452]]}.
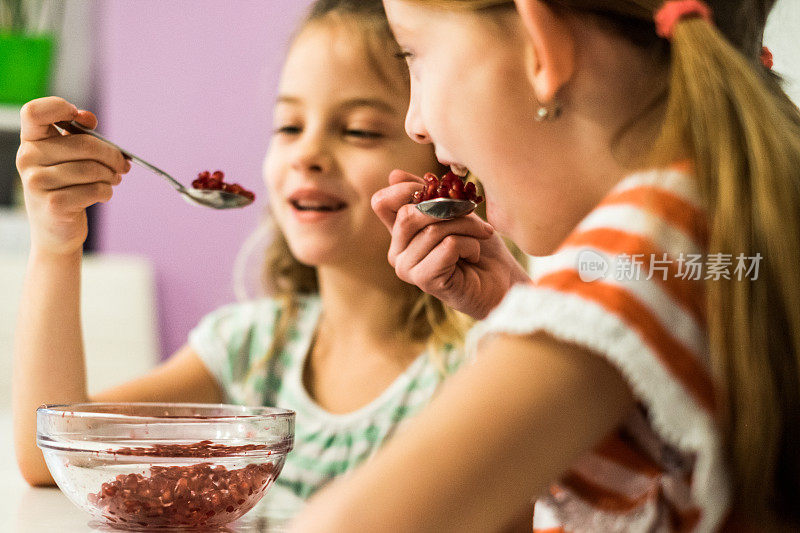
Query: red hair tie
{"points": [[766, 57], [672, 12]]}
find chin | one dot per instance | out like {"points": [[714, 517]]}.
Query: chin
{"points": [[315, 255]]}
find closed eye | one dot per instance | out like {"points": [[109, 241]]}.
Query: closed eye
{"points": [[288, 130], [364, 134]]}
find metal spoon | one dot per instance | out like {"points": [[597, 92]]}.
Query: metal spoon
{"points": [[446, 208], [205, 197]]}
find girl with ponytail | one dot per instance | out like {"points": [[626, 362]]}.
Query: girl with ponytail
{"points": [[647, 377]]}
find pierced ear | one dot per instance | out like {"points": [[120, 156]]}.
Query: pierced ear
{"points": [[551, 52]]}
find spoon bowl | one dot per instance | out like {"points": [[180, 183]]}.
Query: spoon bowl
{"points": [[446, 208], [216, 199]]}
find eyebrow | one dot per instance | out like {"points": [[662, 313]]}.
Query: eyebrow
{"points": [[375, 103], [284, 99]]}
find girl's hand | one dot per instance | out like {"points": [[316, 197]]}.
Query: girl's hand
{"points": [[463, 262], [62, 175]]}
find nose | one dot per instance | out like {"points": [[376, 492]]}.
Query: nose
{"points": [[415, 128], [311, 153]]}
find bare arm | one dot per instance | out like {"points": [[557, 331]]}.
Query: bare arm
{"points": [[501, 431], [183, 378], [62, 175], [48, 352]]}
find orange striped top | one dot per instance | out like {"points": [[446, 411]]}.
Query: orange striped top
{"points": [[620, 285]]}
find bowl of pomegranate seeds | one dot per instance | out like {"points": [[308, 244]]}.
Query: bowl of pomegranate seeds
{"points": [[149, 466]]}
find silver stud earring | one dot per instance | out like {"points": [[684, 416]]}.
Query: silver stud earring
{"points": [[549, 111]]}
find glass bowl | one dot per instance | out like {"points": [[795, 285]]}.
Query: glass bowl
{"points": [[164, 465]]}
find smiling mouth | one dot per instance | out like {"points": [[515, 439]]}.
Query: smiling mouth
{"points": [[317, 206]]}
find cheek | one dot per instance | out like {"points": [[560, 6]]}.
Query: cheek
{"points": [[370, 172], [377, 181], [270, 169], [273, 180]]}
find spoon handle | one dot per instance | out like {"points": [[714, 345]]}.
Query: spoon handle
{"points": [[74, 127]]}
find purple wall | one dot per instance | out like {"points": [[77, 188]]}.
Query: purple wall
{"points": [[187, 85]]}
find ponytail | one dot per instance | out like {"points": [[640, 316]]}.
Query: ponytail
{"points": [[743, 135]]}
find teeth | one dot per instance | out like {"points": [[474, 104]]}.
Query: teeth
{"points": [[311, 206], [458, 170]]}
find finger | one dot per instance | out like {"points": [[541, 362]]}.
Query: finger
{"points": [[423, 265], [401, 176], [37, 117], [68, 175], [411, 225], [388, 201], [76, 198], [86, 118], [58, 150], [427, 241]]}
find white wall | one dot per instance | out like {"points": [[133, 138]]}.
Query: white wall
{"points": [[782, 37], [118, 315]]}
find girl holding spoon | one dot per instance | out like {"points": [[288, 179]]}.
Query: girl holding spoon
{"points": [[622, 388]]}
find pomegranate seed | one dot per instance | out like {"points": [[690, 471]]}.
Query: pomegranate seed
{"points": [[448, 186], [215, 181], [182, 495]]}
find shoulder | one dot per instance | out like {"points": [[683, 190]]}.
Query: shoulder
{"points": [[449, 358], [619, 286], [233, 325], [656, 210], [631, 259], [260, 312], [235, 337]]}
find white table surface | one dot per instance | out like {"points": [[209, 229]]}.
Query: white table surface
{"points": [[25, 509]]}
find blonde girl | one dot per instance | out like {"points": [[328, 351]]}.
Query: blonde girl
{"points": [[343, 342], [621, 388]]}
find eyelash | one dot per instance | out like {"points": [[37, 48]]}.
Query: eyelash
{"points": [[290, 130], [403, 55], [362, 134]]}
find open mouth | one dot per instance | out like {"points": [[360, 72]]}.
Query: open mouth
{"points": [[313, 200], [303, 205]]}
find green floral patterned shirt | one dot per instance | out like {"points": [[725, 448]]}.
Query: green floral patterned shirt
{"points": [[233, 339]]}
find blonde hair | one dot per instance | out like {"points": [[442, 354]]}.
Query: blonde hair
{"points": [[730, 116], [287, 279]]}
